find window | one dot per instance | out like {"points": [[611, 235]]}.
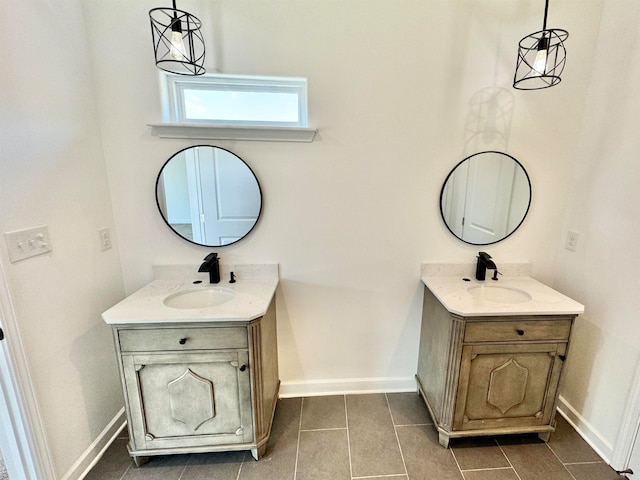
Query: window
{"points": [[233, 100]]}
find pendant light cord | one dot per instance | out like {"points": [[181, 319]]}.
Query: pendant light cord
{"points": [[544, 23]]}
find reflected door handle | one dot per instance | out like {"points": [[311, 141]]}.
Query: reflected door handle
{"points": [[1, 334]]}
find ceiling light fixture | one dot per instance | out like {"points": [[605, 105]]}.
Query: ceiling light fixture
{"points": [[178, 43], [541, 57]]}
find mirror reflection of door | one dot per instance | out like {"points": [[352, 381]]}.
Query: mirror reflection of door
{"points": [[485, 198], [208, 195]]}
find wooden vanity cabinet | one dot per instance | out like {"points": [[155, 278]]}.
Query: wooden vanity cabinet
{"points": [[490, 375], [198, 387]]}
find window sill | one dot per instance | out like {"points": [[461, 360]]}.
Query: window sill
{"points": [[226, 132]]}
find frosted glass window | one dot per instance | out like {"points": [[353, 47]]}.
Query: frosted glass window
{"points": [[237, 100]]}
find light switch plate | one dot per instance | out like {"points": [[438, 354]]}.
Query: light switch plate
{"points": [[27, 243]]}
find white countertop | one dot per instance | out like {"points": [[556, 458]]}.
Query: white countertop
{"points": [[452, 292], [255, 287]]}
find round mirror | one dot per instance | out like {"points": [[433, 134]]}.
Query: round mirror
{"points": [[485, 198], [208, 196]]}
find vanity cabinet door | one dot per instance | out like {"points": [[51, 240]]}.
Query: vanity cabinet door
{"points": [[503, 386], [188, 399]]}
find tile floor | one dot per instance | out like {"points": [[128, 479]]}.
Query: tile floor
{"points": [[3, 470], [373, 437]]}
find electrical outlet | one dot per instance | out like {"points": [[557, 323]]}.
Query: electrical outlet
{"points": [[27, 243], [572, 241], [105, 239]]}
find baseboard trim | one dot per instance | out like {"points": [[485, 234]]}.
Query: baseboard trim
{"points": [[91, 455], [347, 386], [588, 432]]}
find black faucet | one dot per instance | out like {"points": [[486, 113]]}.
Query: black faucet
{"points": [[484, 262], [212, 266]]}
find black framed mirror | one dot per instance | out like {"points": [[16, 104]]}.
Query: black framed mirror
{"points": [[485, 198], [208, 196]]}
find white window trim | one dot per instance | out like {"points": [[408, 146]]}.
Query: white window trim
{"points": [[198, 131], [173, 127]]}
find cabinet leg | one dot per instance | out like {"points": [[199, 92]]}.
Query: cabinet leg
{"points": [[139, 461], [443, 438], [258, 453], [544, 436]]}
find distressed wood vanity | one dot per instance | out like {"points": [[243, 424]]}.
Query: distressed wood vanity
{"points": [[197, 379], [489, 368]]}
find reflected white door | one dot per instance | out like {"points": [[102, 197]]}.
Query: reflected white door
{"points": [[224, 197], [489, 191]]}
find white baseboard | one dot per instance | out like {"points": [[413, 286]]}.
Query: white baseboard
{"points": [[344, 386], [91, 455], [588, 432]]}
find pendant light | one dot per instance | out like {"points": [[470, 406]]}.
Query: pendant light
{"points": [[178, 43], [541, 57]]}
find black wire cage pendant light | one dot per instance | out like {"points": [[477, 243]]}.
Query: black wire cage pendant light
{"points": [[178, 43], [541, 57]]}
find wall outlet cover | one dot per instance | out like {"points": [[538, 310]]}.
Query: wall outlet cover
{"points": [[572, 241]]}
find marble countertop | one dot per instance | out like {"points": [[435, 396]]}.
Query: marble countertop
{"points": [[254, 289], [452, 291]]}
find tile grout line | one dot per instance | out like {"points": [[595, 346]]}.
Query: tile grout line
{"points": [[455, 459], [415, 425], [295, 470], [323, 429], [392, 475], [485, 469], [184, 467], [244, 455], [395, 431], [127, 469], [346, 420], [560, 460], [508, 460]]}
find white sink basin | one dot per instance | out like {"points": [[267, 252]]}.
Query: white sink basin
{"points": [[499, 294], [201, 298]]}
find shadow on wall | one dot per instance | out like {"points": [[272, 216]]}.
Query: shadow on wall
{"points": [[94, 358], [586, 338], [489, 120], [410, 335], [598, 361]]}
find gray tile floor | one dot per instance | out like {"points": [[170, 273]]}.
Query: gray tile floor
{"points": [[373, 437], [3, 470]]}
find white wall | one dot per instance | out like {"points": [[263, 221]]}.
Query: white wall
{"points": [[52, 172], [351, 216], [604, 208]]}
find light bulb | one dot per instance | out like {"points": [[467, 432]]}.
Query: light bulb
{"points": [[177, 50], [540, 63]]}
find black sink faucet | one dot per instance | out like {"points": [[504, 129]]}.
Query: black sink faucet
{"points": [[212, 266], [484, 262]]}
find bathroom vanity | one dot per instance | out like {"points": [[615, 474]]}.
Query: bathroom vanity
{"points": [[492, 353], [198, 362]]}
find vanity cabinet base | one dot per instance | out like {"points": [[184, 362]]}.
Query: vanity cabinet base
{"points": [[199, 387], [444, 435], [494, 375]]}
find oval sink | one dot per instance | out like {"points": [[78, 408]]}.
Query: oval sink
{"points": [[499, 294], [203, 298]]}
